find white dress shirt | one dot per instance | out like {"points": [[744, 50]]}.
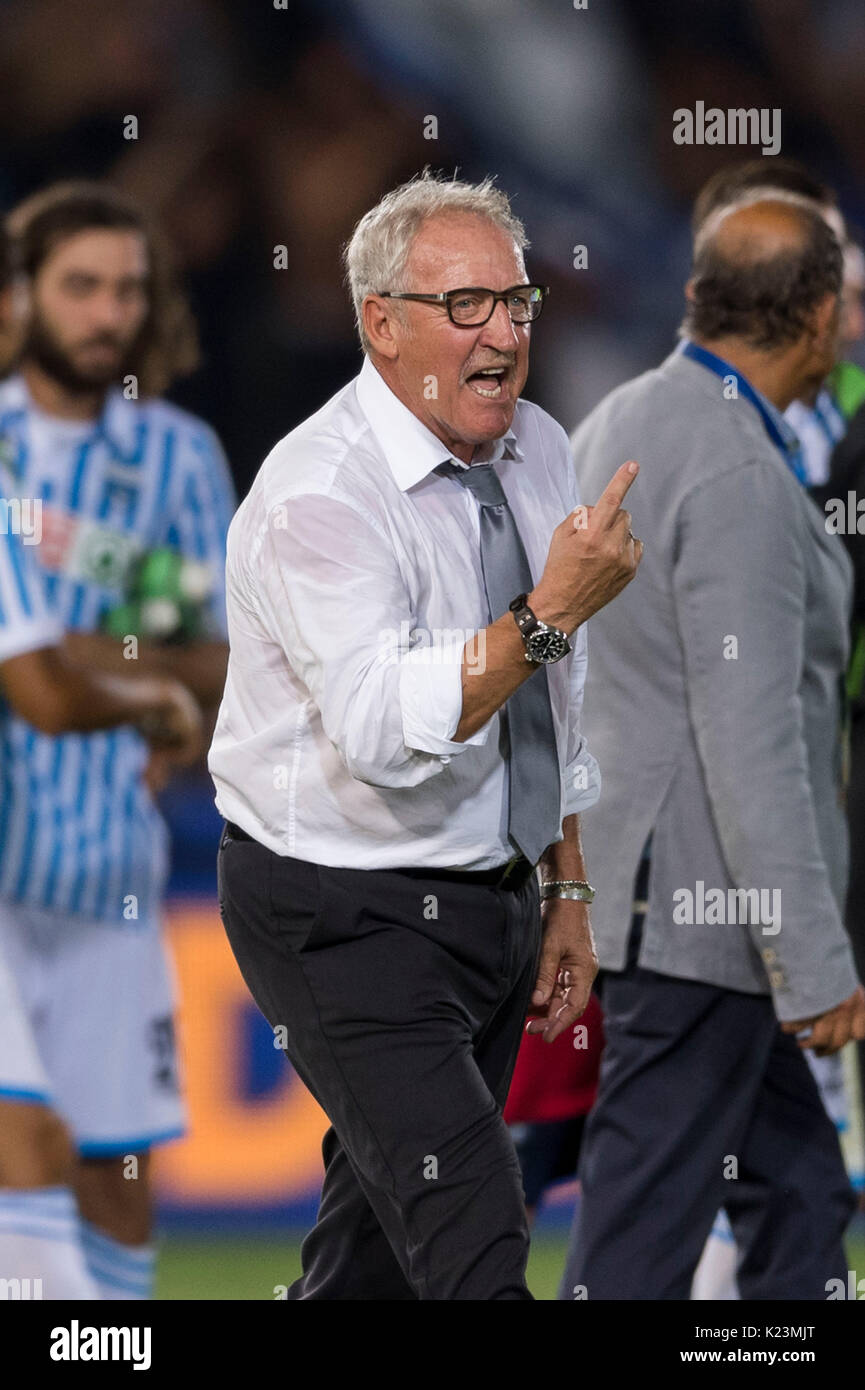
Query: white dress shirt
{"points": [[353, 583]]}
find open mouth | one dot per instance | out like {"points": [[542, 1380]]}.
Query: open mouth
{"points": [[489, 382]]}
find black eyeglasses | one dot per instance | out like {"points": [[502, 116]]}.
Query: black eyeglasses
{"points": [[474, 306]]}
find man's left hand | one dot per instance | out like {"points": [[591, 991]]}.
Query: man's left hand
{"points": [[567, 967]]}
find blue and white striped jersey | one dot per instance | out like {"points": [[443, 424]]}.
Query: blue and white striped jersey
{"points": [[819, 428], [79, 831], [25, 622]]}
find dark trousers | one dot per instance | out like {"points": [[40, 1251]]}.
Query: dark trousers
{"points": [[698, 1082], [403, 1000]]}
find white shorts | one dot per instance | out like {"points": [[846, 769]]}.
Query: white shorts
{"points": [[87, 1026]]}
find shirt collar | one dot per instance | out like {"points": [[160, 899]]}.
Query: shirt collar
{"points": [[788, 435], [117, 423], [780, 421], [412, 451]]}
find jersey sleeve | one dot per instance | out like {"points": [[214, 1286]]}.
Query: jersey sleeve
{"points": [[25, 620], [202, 503]]}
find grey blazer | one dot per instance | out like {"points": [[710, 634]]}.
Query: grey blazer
{"points": [[713, 701]]}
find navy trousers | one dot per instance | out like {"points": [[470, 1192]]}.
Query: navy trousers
{"points": [[704, 1103], [402, 999]]}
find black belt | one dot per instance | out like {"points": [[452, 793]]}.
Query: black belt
{"points": [[510, 877]]}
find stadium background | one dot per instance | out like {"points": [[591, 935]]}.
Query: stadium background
{"points": [[263, 124]]}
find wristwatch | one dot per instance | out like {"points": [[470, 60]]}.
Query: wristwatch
{"points": [[544, 644]]}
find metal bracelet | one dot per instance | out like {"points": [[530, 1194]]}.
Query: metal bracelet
{"points": [[573, 889]]}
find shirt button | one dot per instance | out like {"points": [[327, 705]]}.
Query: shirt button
{"points": [[769, 955], [445, 758], [776, 979]]}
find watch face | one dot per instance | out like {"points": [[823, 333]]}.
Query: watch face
{"points": [[546, 646]]}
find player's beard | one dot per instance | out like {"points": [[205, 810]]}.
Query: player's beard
{"points": [[42, 348]]}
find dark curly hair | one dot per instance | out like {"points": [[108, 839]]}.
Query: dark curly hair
{"points": [[167, 346], [767, 300]]}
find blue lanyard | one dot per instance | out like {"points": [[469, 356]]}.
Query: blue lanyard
{"points": [[791, 453]]}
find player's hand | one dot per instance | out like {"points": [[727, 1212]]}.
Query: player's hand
{"points": [[173, 724], [566, 969], [157, 773], [830, 1031], [592, 556]]}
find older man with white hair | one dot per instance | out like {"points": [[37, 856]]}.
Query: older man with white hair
{"points": [[399, 747]]}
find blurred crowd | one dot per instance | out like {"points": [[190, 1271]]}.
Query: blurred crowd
{"points": [[267, 125]]}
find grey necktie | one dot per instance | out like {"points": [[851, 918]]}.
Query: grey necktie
{"points": [[533, 762]]}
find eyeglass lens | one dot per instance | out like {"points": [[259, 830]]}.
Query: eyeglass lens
{"points": [[473, 306]]}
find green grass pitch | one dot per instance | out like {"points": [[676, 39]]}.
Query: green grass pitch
{"points": [[248, 1267]]}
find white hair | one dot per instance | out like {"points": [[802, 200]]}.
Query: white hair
{"points": [[376, 254]]}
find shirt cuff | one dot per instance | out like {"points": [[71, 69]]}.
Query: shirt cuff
{"points": [[29, 637], [581, 783], [431, 698]]}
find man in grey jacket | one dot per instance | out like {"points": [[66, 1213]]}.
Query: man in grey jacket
{"points": [[714, 705]]}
